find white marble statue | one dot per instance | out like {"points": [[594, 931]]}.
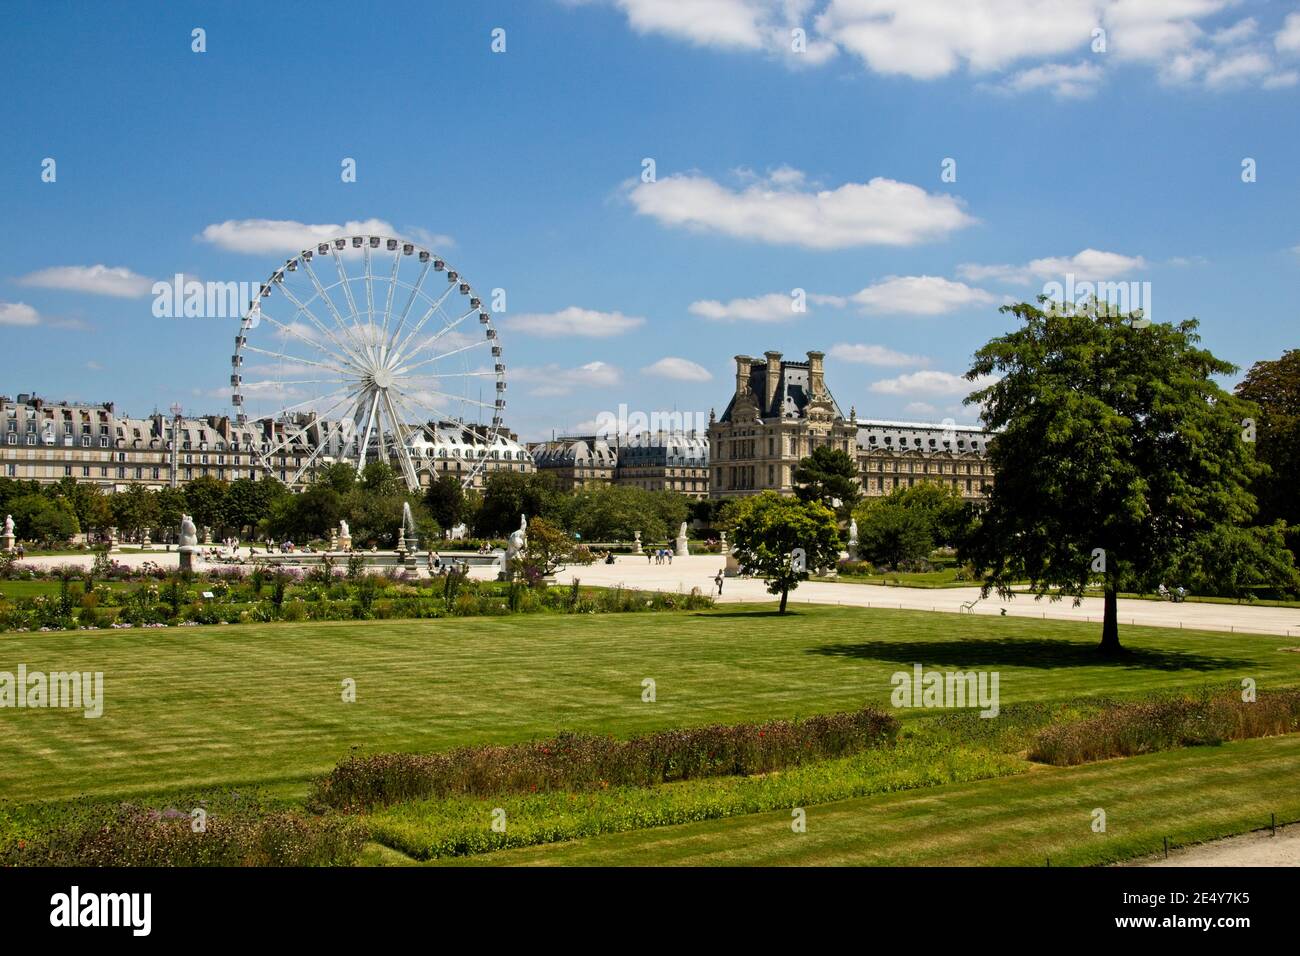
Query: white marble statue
{"points": [[853, 539], [343, 530], [518, 540], [681, 546], [189, 534], [9, 525]]}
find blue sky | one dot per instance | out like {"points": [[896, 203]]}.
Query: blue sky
{"points": [[774, 170]]}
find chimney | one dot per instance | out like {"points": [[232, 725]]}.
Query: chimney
{"points": [[816, 374], [773, 377], [743, 362]]}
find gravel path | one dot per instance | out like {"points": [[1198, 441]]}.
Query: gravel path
{"points": [[1250, 849]]}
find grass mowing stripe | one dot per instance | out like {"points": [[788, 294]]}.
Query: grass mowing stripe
{"points": [[258, 703], [459, 825], [1189, 795]]}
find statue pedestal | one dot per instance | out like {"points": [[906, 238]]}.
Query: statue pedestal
{"points": [[636, 544], [7, 542], [732, 567], [187, 553], [681, 549], [344, 543]]}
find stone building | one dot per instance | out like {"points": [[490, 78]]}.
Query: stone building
{"points": [[48, 441], [576, 461], [658, 461], [779, 412], [900, 454]]}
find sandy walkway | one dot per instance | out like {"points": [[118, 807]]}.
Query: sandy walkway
{"points": [[698, 572], [1250, 849]]}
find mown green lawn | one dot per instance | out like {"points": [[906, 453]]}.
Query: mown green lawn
{"points": [[12, 590], [206, 706], [1190, 795]]}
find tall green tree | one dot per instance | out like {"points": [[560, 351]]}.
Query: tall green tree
{"points": [[890, 532], [444, 499], [1274, 386], [828, 475], [780, 539], [1114, 451], [509, 494], [205, 498]]}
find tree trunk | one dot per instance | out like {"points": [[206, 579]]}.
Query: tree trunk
{"points": [[1110, 622], [785, 593]]}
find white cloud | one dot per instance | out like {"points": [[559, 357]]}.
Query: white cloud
{"points": [[287, 237], [574, 321], [920, 408], [1087, 265], [1239, 69], [1062, 80], [683, 370], [1239, 32], [737, 25], [117, 281], [1287, 39], [553, 379], [928, 383], [773, 307], [927, 39], [919, 295], [776, 210], [930, 39], [18, 313], [874, 355]]}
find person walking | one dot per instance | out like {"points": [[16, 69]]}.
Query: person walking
{"points": [[718, 579]]}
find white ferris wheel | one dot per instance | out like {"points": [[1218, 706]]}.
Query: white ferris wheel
{"points": [[379, 350]]}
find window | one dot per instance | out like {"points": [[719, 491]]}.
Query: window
{"points": [[67, 471]]}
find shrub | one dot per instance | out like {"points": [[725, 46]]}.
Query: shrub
{"points": [[1166, 722], [139, 836], [572, 761]]}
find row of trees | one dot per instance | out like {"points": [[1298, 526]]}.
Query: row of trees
{"points": [[371, 503]]}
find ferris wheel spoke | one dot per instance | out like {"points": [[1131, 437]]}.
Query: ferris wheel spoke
{"points": [[291, 331], [457, 398], [400, 441], [370, 289], [419, 378], [329, 304], [388, 304], [364, 449], [403, 356], [288, 440], [319, 325], [440, 356], [282, 357], [352, 302], [433, 308]]}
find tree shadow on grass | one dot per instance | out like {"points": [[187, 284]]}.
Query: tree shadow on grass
{"points": [[1024, 653]]}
